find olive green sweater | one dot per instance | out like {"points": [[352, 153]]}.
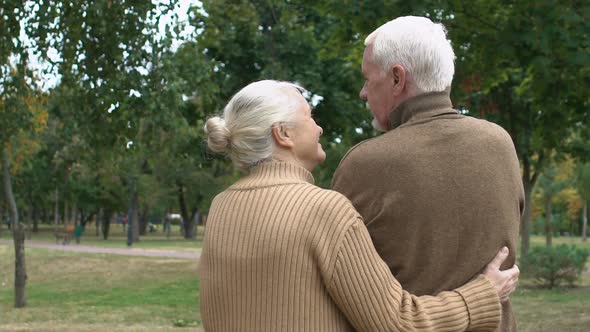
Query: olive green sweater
{"points": [[281, 254], [440, 195]]}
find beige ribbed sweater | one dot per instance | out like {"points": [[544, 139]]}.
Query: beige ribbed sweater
{"points": [[281, 254]]}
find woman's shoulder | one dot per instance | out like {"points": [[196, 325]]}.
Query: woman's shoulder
{"points": [[329, 204], [328, 196]]}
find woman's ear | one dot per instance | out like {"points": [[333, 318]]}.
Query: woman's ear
{"points": [[282, 137]]}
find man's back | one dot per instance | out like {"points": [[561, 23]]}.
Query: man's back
{"points": [[440, 195]]}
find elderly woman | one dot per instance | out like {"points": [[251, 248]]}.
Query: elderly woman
{"points": [[281, 254]]}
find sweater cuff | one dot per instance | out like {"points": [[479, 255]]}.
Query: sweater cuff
{"points": [[483, 304]]}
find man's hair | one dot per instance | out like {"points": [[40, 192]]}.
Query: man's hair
{"points": [[418, 45]]}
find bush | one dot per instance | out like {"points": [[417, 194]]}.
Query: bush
{"points": [[551, 266]]}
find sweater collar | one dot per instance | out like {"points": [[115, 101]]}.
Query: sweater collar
{"points": [[271, 173], [422, 106]]}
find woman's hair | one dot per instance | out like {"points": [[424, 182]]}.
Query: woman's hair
{"points": [[245, 130], [420, 46]]}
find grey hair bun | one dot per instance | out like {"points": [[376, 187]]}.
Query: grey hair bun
{"points": [[218, 138]]}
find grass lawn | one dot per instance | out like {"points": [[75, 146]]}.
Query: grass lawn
{"points": [[537, 240], [562, 309], [553, 310], [118, 238], [94, 292]]}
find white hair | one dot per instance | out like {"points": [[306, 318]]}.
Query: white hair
{"points": [[418, 45], [245, 131]]}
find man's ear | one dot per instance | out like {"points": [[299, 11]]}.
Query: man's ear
{"points": [[398, 79], [282, 137]]}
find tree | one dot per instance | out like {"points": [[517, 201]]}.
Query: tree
{"points": [[296, 41], [508, 59], [103, 68], [550, 185], [583, 184], [14, 118]]}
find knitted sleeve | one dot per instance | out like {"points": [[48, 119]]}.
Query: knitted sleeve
{"points": [[373, 300]]}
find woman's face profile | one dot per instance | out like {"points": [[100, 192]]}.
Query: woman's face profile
{"points": [[306, 136]]}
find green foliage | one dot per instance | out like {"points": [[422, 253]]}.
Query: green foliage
{"points": [[128, 107], [519, 66], [299, 41], [523, 65], [551, 266], [550, 184]]}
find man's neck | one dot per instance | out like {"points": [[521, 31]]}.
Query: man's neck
{"points": [[418, 105]]}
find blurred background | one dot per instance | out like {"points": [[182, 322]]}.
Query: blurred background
{"points": [[102, 105]]}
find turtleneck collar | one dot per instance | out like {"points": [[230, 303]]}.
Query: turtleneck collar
{"points": [[271, 173], [422, 106]]}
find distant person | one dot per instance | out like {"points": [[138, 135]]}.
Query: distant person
{"points": [[78, 231], [440, 192], [281, 254], [167, 227]]}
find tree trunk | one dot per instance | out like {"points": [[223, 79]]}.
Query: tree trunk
{"points": [[187, 222], [44, 216], [132, 218], [85, 218], [1, 214], [20, 271], [22, 214], [74, 214], [66, 219], [548, 221], [585, 221], [106, 224], [526, 218], [20, 268], [35, 219], [98, 220], [143, 221], [133, 213], [181, 202], [134, 223], [195, 223], [56, 212]]}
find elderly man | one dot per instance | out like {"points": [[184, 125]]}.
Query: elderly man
{"points": [[439, 192]]}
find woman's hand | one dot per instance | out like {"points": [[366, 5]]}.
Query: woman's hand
{"points": [[504, 281]]}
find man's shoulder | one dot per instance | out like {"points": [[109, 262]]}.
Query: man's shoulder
{"points": [[354, 155], [363, 157], [483, 124], [368, 147], [359, 148], [487, 130]]}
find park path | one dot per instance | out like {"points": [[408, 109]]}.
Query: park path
{"points": [[102, 250]]}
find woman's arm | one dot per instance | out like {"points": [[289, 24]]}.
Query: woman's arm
{"points": [[373, 300]]}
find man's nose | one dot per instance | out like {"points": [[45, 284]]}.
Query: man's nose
{"points": [[363, 94]]}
